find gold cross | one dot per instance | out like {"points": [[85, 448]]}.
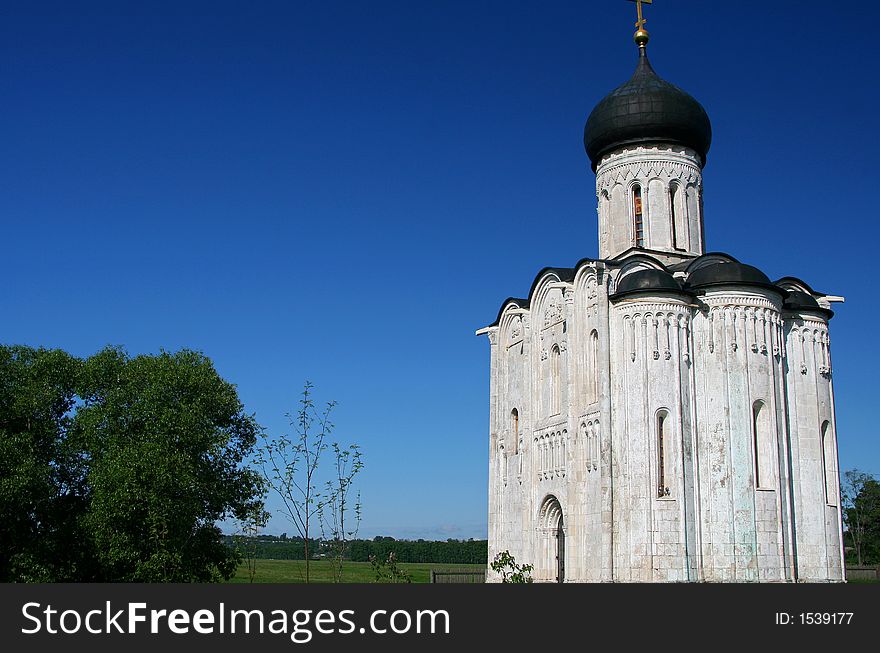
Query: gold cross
{"points": [[640, 23]]}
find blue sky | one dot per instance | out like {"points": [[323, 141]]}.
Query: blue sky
{"points": [[345, 191]]}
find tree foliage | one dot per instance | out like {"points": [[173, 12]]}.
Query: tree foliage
{"points": [[860, 493], [125, 466], [449, 551], [40, 485]]}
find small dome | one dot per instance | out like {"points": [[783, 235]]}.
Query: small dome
{"points": [[798, 300], [646, 109], [647, 280], [728, 273]]}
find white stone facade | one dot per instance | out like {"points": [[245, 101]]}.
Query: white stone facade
{"points": [[664, 433], [672, 187]]}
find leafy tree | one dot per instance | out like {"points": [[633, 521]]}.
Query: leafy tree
{"points": [[860, 493], [505, 564], [118, 468], [166, 438], [290, 465], [39, 482]]}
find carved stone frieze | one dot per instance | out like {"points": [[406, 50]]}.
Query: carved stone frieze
{"points": [[553, 313]]}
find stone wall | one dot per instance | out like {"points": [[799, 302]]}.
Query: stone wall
{"points": [[582, 386]]}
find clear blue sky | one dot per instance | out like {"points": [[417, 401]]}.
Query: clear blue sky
{"points": [[345, 191]]}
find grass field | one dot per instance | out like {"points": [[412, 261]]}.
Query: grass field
{"points": [[293, 571]]}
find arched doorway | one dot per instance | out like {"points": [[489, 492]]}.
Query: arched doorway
{"points": [[551, 531]]}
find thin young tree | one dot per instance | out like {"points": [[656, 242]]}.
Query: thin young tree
{"points": [[337, 506], [245, 538], [290, 465]]}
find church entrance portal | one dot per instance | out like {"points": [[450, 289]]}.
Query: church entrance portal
{"points": [[551, 531]]}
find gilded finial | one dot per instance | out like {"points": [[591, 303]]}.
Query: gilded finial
{"points": [[641, 36]]}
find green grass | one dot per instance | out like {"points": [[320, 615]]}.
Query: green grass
{"points": [[293, 571]]}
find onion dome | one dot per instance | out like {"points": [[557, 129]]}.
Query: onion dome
{"points": [[646, 109], [650, 280], [728, 273]]}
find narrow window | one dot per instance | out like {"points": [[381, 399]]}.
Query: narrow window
{"points": [[554, 380], [673, 218], [638, 223], [514, 428], [765, 447], [699, 211], [756, 430], [829, 464], [564, 462], [588, 445], [662, 452], [543, 446], [594, 365]]}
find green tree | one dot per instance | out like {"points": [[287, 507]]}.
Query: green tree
{"points": [[166, 439], [290, 466], [118, 468], [40, 489], [860, 493]]}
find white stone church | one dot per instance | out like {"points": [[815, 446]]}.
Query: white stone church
{"points": [[660, 413]]}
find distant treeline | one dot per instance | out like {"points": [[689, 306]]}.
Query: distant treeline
{"points": [[449, 551]]}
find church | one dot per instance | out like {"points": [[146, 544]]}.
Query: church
{"points": [[662, 413]]}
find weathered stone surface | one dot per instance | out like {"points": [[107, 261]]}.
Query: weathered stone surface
{"points": [[741, 487]]}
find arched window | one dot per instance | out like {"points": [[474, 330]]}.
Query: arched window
{"points": [[554, 380], [590, 433], [587, 445], [765, 447], [638, 222], [675, 217], [829, 464], [514, 430], [593, 357], [604, 204], [596, 445], [663, 458]]}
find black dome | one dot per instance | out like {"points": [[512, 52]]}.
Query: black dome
{"points": [[643, 280], [797, 300], [646, 109], [728, 273]]}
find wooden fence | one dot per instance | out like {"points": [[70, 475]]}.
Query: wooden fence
{"points": [[863, 573], [458, 576]]}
